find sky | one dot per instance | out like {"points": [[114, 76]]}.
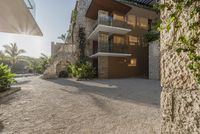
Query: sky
{"points": [[53, 18]]}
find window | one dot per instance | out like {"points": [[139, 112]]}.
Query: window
{"points": [[118, 40], [118, 17], [131, 20], [143, 23], [103, 38], [133, 62], [133, 40]]}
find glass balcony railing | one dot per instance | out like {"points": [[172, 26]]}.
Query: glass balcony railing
{"points": [[113, 48], [31, 6], [109, 21]]}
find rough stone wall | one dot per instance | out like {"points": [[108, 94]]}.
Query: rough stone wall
{"points": [[103, 67], [55, 47], [180, 98], [154, 60], [83, 21], [60, 61]]}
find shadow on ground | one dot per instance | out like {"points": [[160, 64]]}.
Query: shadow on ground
{"points": [[22, 82], [133, 90], [1, 126]]}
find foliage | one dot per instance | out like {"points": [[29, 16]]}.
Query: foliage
{"points": [[62, 37], [13, 52], [152, 36], [82, 44], [6, 77], [39, 65], [185, 43], [2, 56], [81, 71]]}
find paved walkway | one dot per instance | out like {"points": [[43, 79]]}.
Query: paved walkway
{"points": [[125, 106]]}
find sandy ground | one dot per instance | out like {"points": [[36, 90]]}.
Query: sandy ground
{"points": [[65, 106]]}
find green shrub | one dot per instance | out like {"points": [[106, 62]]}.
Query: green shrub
{"points": [[6, 77], [152, 36], [81, 71]]}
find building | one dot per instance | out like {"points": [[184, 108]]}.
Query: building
{"points": [[117, 38], [18, 17], [115, 35]]}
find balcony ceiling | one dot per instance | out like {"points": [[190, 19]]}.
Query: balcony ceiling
{"points": [[15, 17], [107, 5], [107, 29]]}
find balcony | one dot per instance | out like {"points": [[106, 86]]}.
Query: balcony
{"points": [[109, 25], [115, 50]]}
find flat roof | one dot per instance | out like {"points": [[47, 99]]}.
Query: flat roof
{"points": [[16, 18]]}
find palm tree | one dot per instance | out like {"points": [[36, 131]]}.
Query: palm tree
{"points": [[63, 38], [2, 56], [13, 53]]}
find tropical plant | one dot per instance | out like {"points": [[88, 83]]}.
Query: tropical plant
{"points": [[39, 65], [13, 53], [62, 37], [2, 56], [81, 71], [152, 36], [6, 77], [44, 62]]}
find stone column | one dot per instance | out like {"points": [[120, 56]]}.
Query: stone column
{"points": [[180, 98]]}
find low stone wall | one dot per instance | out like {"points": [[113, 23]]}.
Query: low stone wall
{"points": [[154, 60], [103, 67]]}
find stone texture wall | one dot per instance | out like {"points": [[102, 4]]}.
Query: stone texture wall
{"points": [[180, 98], [103, 67], [83, 21], [154, 60]]}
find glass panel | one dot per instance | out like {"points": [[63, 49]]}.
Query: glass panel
{"points": [[143, 23], [131, 20], [118, 17], [133, 40], [133, 62], [103, 38], [119, 40]]}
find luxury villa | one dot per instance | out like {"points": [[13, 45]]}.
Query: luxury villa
{"points": [[114, 30]]}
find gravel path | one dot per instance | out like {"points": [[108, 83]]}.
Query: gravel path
{"points": [[65, 106]]}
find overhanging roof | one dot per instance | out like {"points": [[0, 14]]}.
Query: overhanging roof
{"points": [[140, 2], [102, 54], [107, 29], [15, 17], [107, 5]]}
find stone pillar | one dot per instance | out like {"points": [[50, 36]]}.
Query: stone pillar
{"points": [[180, 97], [103, 67], [154, 60]]}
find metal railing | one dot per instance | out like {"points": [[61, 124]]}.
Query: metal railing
{"points": [[109, 21], [114, 48]]}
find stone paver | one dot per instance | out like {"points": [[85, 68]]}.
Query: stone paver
{"points": [[65, 106]]}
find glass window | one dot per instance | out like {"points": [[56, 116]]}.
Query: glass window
{"points": [[133, 62], [131, 20], [118, 17], [103, 38], [143, 23], [119, 40], [133, 40]]}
